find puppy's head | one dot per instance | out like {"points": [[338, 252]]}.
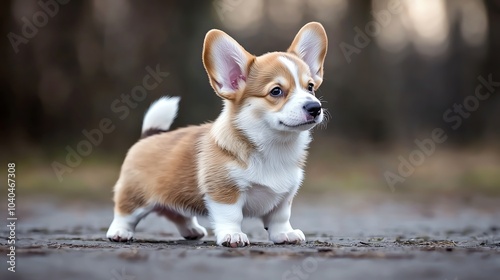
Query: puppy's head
{"points": [[275, 91]]}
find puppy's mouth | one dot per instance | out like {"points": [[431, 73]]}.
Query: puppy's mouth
{"points": [[298, 125]]}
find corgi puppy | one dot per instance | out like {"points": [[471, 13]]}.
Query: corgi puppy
{"points": [[247, 163]]}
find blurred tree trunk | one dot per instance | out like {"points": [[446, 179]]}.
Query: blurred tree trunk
{"points": [[493, 66], [7, 98]]}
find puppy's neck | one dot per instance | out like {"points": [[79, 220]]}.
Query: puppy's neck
{"points": [[228, 137], [241, 137]]}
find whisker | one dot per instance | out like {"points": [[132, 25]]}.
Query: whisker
{"points": [[322, 100], [326, 118]]}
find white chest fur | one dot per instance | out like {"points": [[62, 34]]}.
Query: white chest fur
{"points": [[260, 200], [271, 174]]}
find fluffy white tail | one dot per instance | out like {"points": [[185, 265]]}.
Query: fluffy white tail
{"points": [[160, 115]]}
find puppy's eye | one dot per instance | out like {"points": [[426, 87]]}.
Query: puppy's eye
{"points": [[276, 92], [310, 87]]}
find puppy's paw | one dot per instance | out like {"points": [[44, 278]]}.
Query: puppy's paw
{"points": [[193, 232], [119, 234], [295, 236], [232, 239]]}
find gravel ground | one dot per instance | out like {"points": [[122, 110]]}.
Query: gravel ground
{"points": [[349, 236]]}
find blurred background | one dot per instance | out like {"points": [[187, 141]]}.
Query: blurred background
{"points": [[395, 71]]}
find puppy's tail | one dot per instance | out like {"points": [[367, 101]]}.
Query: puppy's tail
{"points": [[160, 116]]}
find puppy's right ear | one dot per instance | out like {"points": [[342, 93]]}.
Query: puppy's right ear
{"points": [[226, 62]]}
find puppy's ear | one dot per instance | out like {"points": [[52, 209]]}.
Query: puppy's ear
{"points": [[310, 45], [226, 63]]}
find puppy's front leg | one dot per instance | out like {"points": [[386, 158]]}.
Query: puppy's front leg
{"points": [[226, 220], [277, 223]]}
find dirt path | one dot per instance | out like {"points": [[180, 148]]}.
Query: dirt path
{"points": [[349, 237]]}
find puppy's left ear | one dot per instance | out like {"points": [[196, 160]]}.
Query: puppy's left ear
{"points": [[310, 45], [227, 63]]}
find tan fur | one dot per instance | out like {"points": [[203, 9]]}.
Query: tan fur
{"points": [[162, 169], [226, 138], [265, 75], [213, 171]]}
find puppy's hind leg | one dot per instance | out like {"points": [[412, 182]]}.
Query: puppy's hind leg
{"points": [[130, 208], [188, 226]]}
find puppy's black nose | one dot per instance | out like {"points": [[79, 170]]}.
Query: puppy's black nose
{"points": [[313, 108]]}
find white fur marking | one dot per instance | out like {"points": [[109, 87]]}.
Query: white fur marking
{"points": [[294, 70], [123, 226], [191, 229], [161, 113], [278, 223], [226, 220]]}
